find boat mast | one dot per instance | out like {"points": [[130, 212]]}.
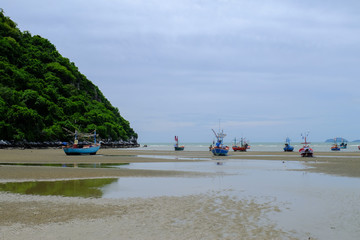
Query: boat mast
{"points": [[176, 141], [305, 135]]}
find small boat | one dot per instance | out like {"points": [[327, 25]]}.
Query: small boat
{"points": [[335, 147], [219, 149], [288, 147], [243, 145], [343, 144], [176, 146], [82, 149], [306, 151]]}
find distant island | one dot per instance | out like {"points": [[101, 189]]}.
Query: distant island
{"points": [[43, 93], [337, 139]]}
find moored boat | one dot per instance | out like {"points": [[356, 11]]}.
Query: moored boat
{"points": [[176, 146], [243, 145], [82, 149], [219, 149], [343, 144], [288, 147], [335, 146], [306, 151]]}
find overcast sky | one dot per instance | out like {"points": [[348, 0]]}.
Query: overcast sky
{"points": [[267, 69]]}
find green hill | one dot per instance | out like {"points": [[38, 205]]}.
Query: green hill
{"points": [[42, 92]]}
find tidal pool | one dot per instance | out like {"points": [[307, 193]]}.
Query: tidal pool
{"points": [[69, 188]]}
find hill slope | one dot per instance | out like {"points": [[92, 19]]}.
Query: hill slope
{"points": [[42, 92]]}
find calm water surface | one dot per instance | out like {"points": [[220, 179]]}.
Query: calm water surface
{"points": [[327, 206]]}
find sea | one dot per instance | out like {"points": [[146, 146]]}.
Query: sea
{"points": [[256, 146]]}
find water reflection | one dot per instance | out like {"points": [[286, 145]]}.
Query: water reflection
{"points": [[71, 165], [70, 188]]}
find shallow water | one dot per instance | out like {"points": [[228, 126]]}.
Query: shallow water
{"points": [[69, 188], [327, 206], [324, 205]]}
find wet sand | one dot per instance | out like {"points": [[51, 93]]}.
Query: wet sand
{"points": [[204, 216], [210, 216]]}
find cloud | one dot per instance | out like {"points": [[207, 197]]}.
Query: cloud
{"points": [[268, 67], [244, 124]]}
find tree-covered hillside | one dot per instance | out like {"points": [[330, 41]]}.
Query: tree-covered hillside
{"points": [[41, 93]]}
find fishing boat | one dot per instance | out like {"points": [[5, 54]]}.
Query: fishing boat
{"points": [[343, 144], [176, 146], [243, 145], [288, 147], [335, 147], [82, 149], [306, 151], [219, 149]]}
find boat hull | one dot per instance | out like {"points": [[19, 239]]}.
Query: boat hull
{"points": [[335, 149], [241, 149], [307, 152], [288, 149], [217, 151], [179, 148], [81, 151]]}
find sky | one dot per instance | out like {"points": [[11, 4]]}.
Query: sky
{"points": [[260, 69]]}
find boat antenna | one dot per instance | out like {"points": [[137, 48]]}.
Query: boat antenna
{"points": [[215, 133], [219, 124]]}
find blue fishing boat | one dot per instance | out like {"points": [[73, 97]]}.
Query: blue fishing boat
{"points": [[343, 144], [219, 149], [82, 149], [288, 147]]}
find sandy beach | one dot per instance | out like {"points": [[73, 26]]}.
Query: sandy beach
{"points": [[198, 216]]}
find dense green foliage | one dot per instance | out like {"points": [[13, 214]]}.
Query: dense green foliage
{"points": [[42, 92]]}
